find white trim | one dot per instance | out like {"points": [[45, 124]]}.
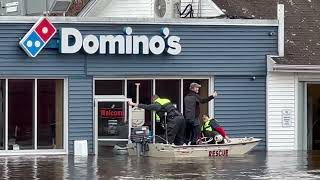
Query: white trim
{"points": [[113, 140], [296, 109], [32, 152], [178, 21], [181, 96], [35, 111], [109, 96], [95, 127], [280, 16], [96, 137], [305, 119], [181, 79], [125, 88], [87, 8], [214, 6], [6, 115], [267, 111], [129, 121], [154, 113], [211, 103], [66, 114], [149, 77], [272, 66], [304, 68], [31, 77], [309, 77], [36, 151]]}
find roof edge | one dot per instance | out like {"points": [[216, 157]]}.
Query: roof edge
{"points": [[272, 66], [178, 21]]}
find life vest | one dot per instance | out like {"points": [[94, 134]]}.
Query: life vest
{"points": [[163, 103], [206, 126]]}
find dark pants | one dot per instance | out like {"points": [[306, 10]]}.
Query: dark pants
{"points": [[176, 129], [193, 131], [196, 130]]}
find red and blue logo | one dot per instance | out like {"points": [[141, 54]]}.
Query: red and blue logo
{"points": [[37, 37]]}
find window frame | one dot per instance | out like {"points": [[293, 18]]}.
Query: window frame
{"points": [[35, 150], [153, 79]]}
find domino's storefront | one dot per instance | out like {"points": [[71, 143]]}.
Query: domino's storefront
{"points": [[69, 81]]}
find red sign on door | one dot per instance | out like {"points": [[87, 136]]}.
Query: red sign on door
{"points": [[111, 112]]}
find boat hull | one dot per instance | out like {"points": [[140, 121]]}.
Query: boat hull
{"points": [[238, 146]]}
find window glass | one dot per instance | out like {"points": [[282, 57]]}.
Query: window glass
{"points": [[21, 114], [203, 91], [112, 121], [109, 87], [2, 113], [170, 89], [50, 114], [145, 93]]}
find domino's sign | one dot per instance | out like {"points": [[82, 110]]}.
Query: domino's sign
{"points": [[37, 37], [72, 41]]}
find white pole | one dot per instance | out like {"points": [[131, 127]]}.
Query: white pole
{"points": [[137, 92]]}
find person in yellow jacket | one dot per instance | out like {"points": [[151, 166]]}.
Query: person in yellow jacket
{"points": [[174, 119], [211, 128]]}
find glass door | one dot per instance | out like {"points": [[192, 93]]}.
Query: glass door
{"points": [[112, 123]]}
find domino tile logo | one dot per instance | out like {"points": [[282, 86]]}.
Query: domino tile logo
{"points": [[37, 37]]}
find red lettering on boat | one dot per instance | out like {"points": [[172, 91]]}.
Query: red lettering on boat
{"points": [[219, 153]]}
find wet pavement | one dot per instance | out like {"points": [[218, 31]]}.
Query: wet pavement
{"points": [[255, 165]]}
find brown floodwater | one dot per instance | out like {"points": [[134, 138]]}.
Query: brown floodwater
{"points": [[107, 165]]}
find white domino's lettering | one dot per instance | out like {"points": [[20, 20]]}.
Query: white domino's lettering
{"points": [[119, 44]]}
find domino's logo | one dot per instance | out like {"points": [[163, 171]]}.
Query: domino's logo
{"points": [[37, 37]]}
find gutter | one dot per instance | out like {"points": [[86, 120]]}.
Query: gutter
{"points": [[105, 20], [272, 66]]}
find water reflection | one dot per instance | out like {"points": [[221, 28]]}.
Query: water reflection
{"points": [[256, 165]]}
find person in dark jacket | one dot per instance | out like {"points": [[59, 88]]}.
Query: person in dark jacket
{"points": [[192, 112], [174, 119]]}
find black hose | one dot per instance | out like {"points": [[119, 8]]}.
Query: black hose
{"points": [[186, 13]]}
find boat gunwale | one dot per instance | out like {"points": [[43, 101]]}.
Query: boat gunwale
{"points": [[216, 145]]}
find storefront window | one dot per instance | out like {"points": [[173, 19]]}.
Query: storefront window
{"points": [[112, 121], [203, 91], [50, 114], [109, 87], [145, 93], [113, 127], [21, 114], [2, 114], [169, 89]]}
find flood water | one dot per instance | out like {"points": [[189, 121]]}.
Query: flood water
{"points": [[255, 165]]}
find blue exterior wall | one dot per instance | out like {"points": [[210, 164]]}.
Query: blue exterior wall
{"points": [[241, 106], [233, 54]]}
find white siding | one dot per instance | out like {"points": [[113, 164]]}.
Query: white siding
{"points": [[145, 9], [208, 8], [281, 95], [123, 8]]}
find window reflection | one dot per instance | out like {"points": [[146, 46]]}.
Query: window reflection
{"points": [[21, 114], [50, 114], [2, 114], [112, 122]]}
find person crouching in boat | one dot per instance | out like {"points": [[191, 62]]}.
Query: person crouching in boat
{"points": [[211, 128], [174, 119]]}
